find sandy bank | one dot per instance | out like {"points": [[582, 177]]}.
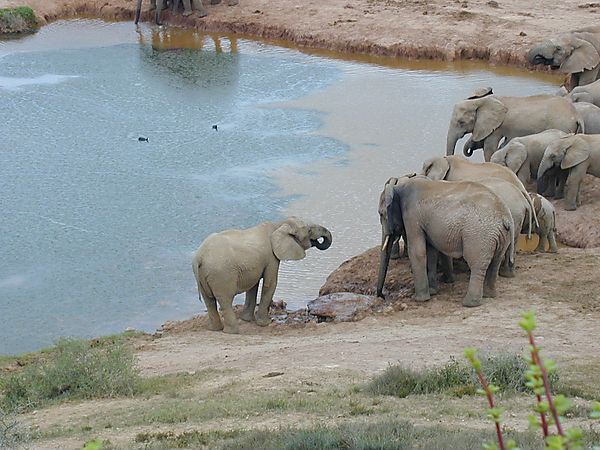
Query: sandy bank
{"points": [[498, 32]]}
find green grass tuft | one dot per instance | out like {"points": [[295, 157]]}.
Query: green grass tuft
{"points": [[18, 20]]}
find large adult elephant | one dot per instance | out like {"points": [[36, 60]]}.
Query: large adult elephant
{"points": [[579, 154], [458, 219], [576, 53], [234, 261], [523, 154], [493, 117]]}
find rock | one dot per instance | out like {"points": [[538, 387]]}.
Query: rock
{"points": [[341, 306]]}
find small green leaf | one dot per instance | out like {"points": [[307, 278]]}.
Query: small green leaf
{"points": [[490, 446], [528, 321], [95, 444], [595, 414], [534, 423], [555, 442], [512, 445], [562, 404]]}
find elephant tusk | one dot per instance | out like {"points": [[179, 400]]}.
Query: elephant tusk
{"points": [[385, 243]]}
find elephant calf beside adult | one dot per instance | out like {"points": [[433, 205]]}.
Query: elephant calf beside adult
{"points": [[234, 261], [579, 154], [458, 219], [491, 118]]}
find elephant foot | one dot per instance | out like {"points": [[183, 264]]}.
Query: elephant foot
{"points": [[247, 316], [187, 13], [433, 290], [489, 292], [263, 321], [231, 329], [570, 208], [506, 272], [215, 2], [202, 13], [448, 278], [470, 301], [232, 2], [553, 250], [421, 297], [213, 326], [558, 196], [152, 8]]}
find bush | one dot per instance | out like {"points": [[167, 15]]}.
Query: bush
{"points": [[76, 369], [505, 370], [18, 20], [12, 436]]}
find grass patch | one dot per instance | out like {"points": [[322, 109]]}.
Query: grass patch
{"points": [[77, 369], [507, 371], [18, 20]]}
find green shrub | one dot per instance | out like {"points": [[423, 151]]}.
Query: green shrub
{"points": [[76, 369], [505, 370], [17, 20]]}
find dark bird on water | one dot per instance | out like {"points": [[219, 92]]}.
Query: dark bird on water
{"points": [[216, 128], [143, 139]]}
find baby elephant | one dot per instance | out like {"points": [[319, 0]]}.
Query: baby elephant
{"points": [[458, 219], [234, 261], [547, 223]]}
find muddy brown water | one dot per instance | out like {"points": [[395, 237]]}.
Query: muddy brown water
{"points": [[100, 226]]}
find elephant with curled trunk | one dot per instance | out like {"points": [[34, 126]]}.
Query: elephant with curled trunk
{"points": [[579, 154], [523, 155], [576, 53], [234, 261], [458, 219], [491, 118]]}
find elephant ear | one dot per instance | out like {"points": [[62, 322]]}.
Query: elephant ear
{"points": [[285, 246], [436, 168], [490, 115], [393, 209], [515, 157], [576, 153], [583, 57]]}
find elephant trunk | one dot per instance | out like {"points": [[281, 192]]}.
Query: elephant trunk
{"points": [[384, 260], [541, 54], [542, 175], [323, 233], [470, 146], [452, 139]]}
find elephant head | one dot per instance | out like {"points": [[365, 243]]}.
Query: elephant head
{"points": [[293, 237], [568, 52], [436, 168], [563, 154], [513, 156], [392, 227], [480, 116]]}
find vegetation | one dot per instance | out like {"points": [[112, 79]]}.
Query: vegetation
{"points": [[505, 370], [12, 434], [18, 20]]}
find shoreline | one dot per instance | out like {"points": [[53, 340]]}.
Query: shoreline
{"points": [[497, 35]]}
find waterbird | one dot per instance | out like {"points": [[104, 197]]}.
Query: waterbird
{"points": [[143, 139], [216, 128]]}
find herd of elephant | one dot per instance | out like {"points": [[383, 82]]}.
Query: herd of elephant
{"points": [[189, 6], [454, 208]]}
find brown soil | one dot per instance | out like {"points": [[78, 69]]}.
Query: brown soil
{"points": [[498, 32]]}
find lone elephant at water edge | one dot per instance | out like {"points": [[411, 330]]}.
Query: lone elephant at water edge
{"points": [[234, 261]]}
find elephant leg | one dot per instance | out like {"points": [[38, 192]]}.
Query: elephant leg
{"points": [[491, 275], [491, 145], [159, 7], [187, 8], [232, 2], [214, 320], [560, 181], [250, 304], [572, 186], [215, 2], [507, 269], [417, 253], [152, 5], [475, 289], [553, 248], [230, 320], [541, 247], [432, 262], [396, 250], [266, 295], [447, 268], [197, 5], [138, 11]]}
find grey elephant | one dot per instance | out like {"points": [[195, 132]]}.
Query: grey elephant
{"points": [[546, 230], [579, 154], [590, 93], [576, 53], [590, 114], [458, 219], [234, 261], [523, 154], [493, 117]]}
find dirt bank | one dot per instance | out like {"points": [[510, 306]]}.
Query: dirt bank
{"points": [[498, 32]]}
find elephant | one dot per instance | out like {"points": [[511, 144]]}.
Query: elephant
{"points": [[234, 261], [590, 114], [546, 230], [189, 6], [579, 154], [457, 219], [523, 154], [492, 117], [576, 53], [590, 93]]}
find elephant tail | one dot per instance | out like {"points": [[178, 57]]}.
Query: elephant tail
{"points": [[203, 287], [580, 125], [510, 227]]}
